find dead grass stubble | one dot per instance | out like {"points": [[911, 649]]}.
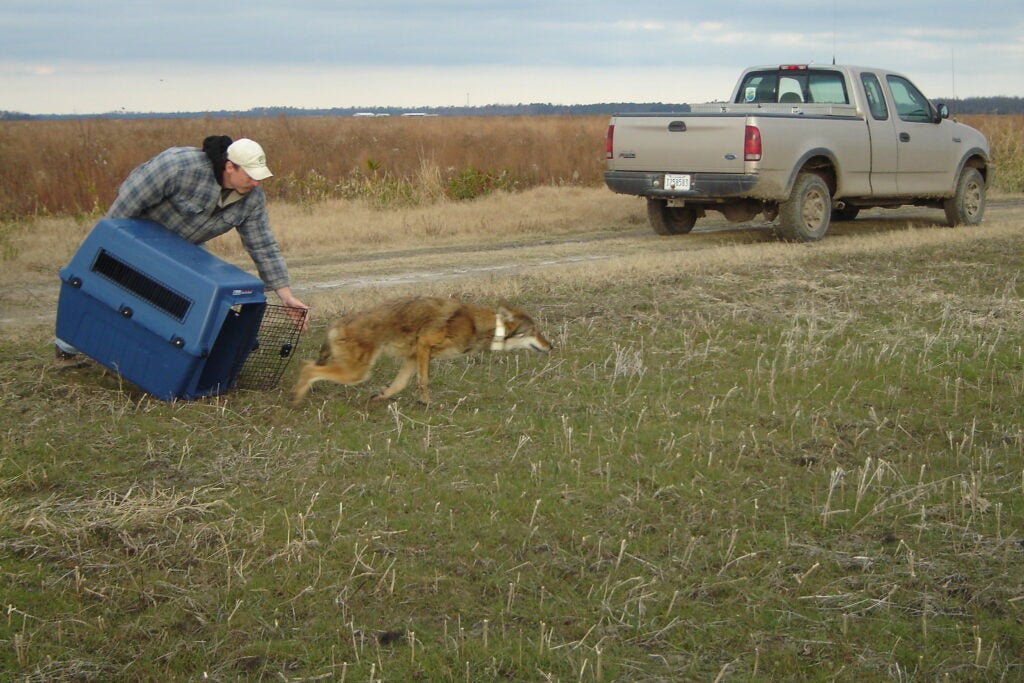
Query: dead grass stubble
{"points": [[37, 248], [747, 459]]}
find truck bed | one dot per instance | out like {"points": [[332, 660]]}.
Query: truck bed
{"points": [[708, 138]]}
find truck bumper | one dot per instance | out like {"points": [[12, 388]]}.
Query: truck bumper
{"points": [[702, 185]]}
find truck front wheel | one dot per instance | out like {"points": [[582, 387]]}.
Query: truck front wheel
{"points": [[805, 216], [967, 206], [670, 220]]}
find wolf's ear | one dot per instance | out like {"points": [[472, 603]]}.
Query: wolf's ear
{"points": [[505, 311]]}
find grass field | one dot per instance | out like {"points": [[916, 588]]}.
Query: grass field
{"points": [[760, 461], [746, 460]]}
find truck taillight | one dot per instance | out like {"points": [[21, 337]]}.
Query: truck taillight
{"points": [[751, 144], [608, 141]]}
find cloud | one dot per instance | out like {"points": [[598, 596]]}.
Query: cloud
{"points": [[446, 42]]}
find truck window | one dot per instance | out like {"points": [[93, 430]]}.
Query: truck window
{"points": [[911, 105], [791, 89], [821, 86], [876, 99], [757, 87], [827, 87]]}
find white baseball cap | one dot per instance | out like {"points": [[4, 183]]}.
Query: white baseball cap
{"points": [[249, 155]]}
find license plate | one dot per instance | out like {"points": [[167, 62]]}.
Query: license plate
{"points": [[675, 181]]}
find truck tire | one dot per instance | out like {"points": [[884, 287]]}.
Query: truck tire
{"points": [[670, 220], [804, 217], [967, 205]]}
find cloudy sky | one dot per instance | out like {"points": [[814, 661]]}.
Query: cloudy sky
{"points": [[94, 56]]}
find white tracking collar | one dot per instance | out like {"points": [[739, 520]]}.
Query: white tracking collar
{"points": [[498, 343]]}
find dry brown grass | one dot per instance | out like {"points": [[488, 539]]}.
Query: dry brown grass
{"points": [[69, 167], [340, 226], [320, 241], [1006, 139], [337, 228]]}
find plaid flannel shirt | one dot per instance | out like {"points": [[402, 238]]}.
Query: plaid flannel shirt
{"points": [[177, 188]]}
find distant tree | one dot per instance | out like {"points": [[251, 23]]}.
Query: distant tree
{"points": [[986, 105], [970, 105]]}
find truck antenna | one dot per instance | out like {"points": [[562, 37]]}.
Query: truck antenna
{"points": [[952, 69], [834, 31]]}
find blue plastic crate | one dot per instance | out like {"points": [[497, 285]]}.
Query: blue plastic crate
{"points": [[163, 313]]}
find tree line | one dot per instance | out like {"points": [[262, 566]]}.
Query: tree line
{"points": [[968, 105]]}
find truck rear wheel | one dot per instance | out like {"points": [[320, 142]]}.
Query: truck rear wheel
{"points": [[670, 220], [967, 206], [804, 217]]}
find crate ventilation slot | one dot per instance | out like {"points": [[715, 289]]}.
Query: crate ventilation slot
{"points": [[141, 285]]}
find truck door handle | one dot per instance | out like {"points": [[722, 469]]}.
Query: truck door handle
{"points": [[904, 137], [677, 127]]}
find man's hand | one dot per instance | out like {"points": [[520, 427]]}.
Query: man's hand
{"points": [[297, 311]]}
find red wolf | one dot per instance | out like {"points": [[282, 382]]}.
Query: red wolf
{"points": [[414, 331]]}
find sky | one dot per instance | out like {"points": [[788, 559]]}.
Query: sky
{"points": [[100, 56]]}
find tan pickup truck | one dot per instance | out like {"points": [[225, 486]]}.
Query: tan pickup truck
{"points": [[803, 144]]}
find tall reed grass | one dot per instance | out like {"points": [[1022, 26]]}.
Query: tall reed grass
{"points": [[1006, 139], [75, 166], [70, 167]]}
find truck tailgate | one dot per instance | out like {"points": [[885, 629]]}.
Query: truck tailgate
{"points": [[683, 143]]}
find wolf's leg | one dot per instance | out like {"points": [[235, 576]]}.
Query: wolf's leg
{"points": [[333, 372], [400, 381], [423, 370], [306, 378]]}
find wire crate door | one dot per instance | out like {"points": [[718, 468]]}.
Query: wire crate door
{"points": [[276, 341]]}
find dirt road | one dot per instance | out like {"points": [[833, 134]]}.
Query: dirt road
{"points": [[432, 264], [32, 302]]}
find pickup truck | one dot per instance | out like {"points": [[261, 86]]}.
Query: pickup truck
{"points": [[803, 145]]}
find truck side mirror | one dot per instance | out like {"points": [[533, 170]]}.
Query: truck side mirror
{"points": [[943, 111]]}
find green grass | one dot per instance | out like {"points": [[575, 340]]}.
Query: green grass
{"points": [[763, 474]]}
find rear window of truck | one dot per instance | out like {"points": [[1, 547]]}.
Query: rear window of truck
{"points": [[793, 86]]}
